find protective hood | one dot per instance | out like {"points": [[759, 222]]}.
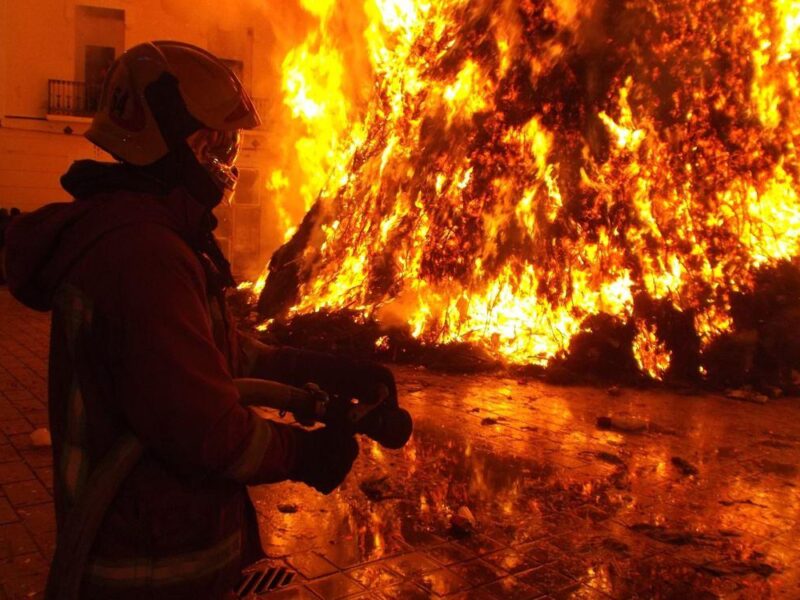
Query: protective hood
{"points": [[42, 246]]}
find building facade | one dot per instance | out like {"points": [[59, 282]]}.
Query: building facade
{"points": [[53, 56]]}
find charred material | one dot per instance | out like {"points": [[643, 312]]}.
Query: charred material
{"points": [[573, 190]]}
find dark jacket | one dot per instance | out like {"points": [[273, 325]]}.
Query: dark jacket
{"points": [[142, 342]]}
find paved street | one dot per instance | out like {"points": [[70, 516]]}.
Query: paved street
{"points": [[682, 497]]}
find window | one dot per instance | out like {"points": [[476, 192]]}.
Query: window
{"points": [[99, 39]]}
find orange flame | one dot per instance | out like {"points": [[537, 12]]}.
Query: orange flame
{"points": [[525, 165]]}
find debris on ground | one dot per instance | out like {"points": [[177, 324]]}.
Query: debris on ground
{"points": [[746, 395], [622, 423], [616, 545], [463, 522], [287, 509], [661, 429], [614, 390], [726, 568], [40, 438], [675, 537], [377, 488], [746, 501], [778, 468], [489, 421], [684, 466], [610, 458], [729, 533]]}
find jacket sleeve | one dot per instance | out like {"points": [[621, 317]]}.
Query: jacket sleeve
{"points": [[173, 384], [336, 374]]}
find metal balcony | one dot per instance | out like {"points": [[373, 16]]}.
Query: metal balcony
{"points": [[72, 98]]}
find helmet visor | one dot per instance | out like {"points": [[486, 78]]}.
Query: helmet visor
{"points": [[217, 151]]}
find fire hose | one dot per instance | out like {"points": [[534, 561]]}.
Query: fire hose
{"points": [[382, 420]]}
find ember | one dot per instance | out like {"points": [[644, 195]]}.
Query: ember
{"points": [[529, 173]]}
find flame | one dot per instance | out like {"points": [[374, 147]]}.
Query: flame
{"points": [[520, 168]]}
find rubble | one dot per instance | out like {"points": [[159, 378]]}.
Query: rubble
{"points": [[622, 423], [377, 488], [40, 438], [684, 466], [673, 536], [463, 522], [738, 568], [746, 395]]}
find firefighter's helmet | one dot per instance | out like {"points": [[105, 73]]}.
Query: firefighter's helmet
{"points": [[135, 121]]}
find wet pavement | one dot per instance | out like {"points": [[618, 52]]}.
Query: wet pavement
{"points": [[696, 497]]}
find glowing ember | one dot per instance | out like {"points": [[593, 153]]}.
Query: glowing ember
{"points": [[525, 165]]}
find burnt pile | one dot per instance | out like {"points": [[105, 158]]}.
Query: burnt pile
{"points": [[608, 190]]}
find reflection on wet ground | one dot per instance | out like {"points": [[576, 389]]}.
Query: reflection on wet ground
{"points": [[675, 496]]}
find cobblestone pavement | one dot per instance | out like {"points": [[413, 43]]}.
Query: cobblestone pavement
{"points": [[699, 499], [27, 522]]}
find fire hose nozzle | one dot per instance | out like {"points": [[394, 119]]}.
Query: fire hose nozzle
{"points": [[386, 423], [308, 404]]}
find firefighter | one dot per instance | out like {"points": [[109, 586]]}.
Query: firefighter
{"points": [[152, 448]]}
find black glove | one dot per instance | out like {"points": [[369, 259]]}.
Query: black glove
{"points": [[323, 458], [367, 380]]}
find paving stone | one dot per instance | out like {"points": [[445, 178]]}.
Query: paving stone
{"points": [[15, 471], [15, 541], [334, 587], [8, 453], [477, 572], [28, 587], [311, 565], [510, 588], [38, 457], [38, 518], [412, 564], [21, 441], [442, 582], [9, 411], [46, 542], [7, 512], [449, 554], [510, 561], [479, 544], [405, 591], [45, 475], [15, 426], [293, 593], [38, 418], [24, 564], [26, 493], [547, 579], [350, 552], [375, 576]]}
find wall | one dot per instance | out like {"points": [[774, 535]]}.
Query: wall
{"points": [[38, 42]]}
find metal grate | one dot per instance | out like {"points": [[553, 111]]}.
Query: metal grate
{"points": [[264, 581], [74, 98]]}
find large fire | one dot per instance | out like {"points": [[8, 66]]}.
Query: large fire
{"points": [[526, 164]]}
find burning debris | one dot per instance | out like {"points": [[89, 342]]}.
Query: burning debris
{"points": [[605, 188]]}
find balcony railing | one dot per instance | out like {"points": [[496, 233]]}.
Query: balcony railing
{"points": [[80, 99], [73, 98]]}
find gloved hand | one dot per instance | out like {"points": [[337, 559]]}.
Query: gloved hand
{"points": [[323, 458], [362, 379]]}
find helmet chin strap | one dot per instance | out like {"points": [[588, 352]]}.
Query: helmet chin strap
{"points": [[180, 166]]}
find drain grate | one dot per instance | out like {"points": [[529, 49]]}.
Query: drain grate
{"points": [[264, 581]]}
